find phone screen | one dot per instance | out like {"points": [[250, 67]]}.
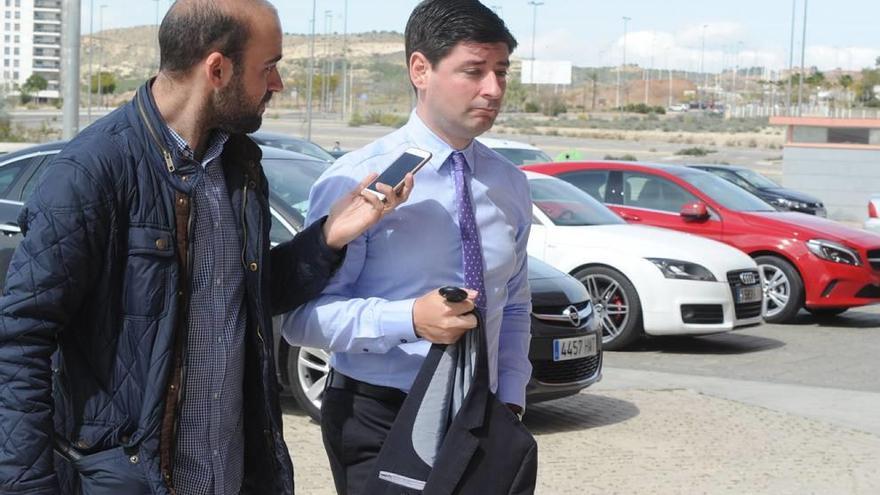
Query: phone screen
{"points": [[394, 174]]}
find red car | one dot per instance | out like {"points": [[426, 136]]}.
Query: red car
{"points": [[807, 262]]}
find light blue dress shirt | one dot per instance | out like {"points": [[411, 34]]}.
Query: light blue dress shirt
{"points": [[364, 316]]}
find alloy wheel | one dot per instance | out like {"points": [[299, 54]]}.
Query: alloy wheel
{"points": [[312, 366], [610, 303], [777, 289]]}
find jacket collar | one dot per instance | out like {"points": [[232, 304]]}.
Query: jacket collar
{"points": [[240, 151]]}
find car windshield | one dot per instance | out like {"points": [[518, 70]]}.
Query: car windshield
{"points": [[727, 194], [521, 156], [299, 146], [291, 180], [567, 205], [756, 179]]}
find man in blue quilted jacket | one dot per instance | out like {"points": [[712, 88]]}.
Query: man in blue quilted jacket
{"points": [[135, 326]]}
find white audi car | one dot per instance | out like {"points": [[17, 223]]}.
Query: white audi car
{"points": [[643, 280]]}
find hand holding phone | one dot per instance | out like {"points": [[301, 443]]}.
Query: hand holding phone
{"points": [[409, 162]]}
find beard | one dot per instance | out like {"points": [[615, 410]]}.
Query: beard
{"points": [[233, 113]]}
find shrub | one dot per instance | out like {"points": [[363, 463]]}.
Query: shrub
{"points": [[694, 151], [622, 158]]}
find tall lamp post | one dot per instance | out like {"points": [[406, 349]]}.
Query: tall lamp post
{"points": [[101, 57], [803, 46], [625, 21], [91, 56], [702, 72], [535, 6], [788, 92], [157, 35], [311, 76]]}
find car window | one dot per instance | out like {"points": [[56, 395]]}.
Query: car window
{"points": [[523, 157], [728, 195], [278, 233], [11, 171], [654, 193], [291, 181], [757, 179], [299, 146], [592, 182], [35, 177], [735, 178], [565, 204]]}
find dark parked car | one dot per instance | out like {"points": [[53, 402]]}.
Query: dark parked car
{"points": [[291, 143], [782, 198], [566, 348]]}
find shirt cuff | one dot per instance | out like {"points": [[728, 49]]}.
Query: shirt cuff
{"points": [[512, 389], [396, 322]]}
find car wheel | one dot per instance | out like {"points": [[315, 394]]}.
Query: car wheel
{"points": [[616, 303], [307, 369], [826, 312], [783, 289]]}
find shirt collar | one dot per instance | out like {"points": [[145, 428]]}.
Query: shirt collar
{"points": [[424, 138], [212, 152]]}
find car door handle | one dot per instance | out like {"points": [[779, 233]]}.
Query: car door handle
{"points": [[631, 218], [9, 229]]}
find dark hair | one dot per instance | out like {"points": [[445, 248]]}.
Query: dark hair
{"points": [[436, 26], [188, 34]]}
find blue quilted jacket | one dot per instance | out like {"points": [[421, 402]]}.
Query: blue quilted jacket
{"points": [[92, 318]]}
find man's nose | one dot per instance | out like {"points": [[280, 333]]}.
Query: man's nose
{"points": [[275, 82], [493, 86]]}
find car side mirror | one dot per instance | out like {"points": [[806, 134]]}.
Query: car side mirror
{"points": [[694, 212]]}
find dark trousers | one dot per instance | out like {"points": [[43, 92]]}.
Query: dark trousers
{"points": [[354, 427]]}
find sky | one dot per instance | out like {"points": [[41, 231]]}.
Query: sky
{"points": [[660, 34]]}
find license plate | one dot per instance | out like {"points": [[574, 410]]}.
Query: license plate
{"points": [[573, 348], [749, 294]]}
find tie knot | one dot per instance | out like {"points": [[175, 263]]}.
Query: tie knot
{"points": [[458, 161]]}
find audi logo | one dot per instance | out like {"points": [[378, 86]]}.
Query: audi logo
{"points": [[748, 278]]}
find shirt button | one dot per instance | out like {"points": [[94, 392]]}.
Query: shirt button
{"points": [[219, 340], [216, 452], [403, 341], [216, 225], [218, 281], [216, 396]]}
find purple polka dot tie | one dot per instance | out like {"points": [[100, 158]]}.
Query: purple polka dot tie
{"points": [[471, 251]]}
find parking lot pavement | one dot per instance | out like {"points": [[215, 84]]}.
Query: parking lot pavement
{"points": [[665, 441]]}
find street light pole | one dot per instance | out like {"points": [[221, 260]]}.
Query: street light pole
{"points": [[101, 57], [535, 6], [803, 47], [70, 81], [702, 71], [91, 55], [157, 35], [623, 64], [309, 89], [788, 92], [345, 60]]}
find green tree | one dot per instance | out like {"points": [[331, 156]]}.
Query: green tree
{"points": [[107, 83], [34, 84]]}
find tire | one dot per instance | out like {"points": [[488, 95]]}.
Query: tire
{"points": [[307, 370], [826, 312], [610, 288], [783, 289]]}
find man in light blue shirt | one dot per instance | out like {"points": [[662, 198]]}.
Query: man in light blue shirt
{"points": [[381, 311]]}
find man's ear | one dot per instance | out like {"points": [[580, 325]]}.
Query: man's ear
{"points": [[218, 70], [419, 69]]}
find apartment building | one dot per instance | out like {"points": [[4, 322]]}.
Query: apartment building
{"points": [[30, 44]]}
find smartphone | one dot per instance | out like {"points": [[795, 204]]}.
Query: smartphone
{"points": [[410, 161]]}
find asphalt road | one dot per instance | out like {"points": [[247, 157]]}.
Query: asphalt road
{"points": [[839, 353]]}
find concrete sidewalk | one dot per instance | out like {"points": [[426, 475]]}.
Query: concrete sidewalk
{"points": [[658, 433]]}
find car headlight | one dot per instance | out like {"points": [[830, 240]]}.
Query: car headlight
{"points": [[787, 203], [682, 270], [833, 251]]}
